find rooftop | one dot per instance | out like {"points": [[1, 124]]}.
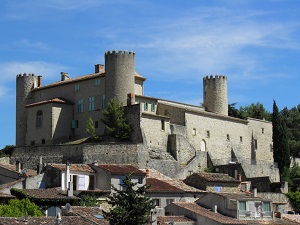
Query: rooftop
{"points": [[74, 167], [120, 169], [54, 100], [12, 167], [212, 177]]}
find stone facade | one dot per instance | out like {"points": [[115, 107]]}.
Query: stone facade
{"points": [[172, 137]]}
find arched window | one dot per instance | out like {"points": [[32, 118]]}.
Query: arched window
{"points": [[202, 146], [39, 118]]}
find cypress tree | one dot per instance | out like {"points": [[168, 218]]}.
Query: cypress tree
{"points": [[281, 152]]}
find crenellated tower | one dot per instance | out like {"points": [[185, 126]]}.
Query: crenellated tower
{"points": [[215, 94], [24, 84], [119, 75]]}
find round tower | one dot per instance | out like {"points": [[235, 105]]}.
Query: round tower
{"points": [[119, 75], [24, 84], [215, 97]]}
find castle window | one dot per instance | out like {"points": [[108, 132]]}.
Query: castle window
{"points": [[162, 124], [39, 118], [152, 107], [255, 144], [97, 82], [80, 106], [96, 124], [228, 137], [77, 87], [262, 130], [194, 132], [43, 141], [32, 143], [146, 106], [207, 134], [91, 103], [103, 101], [241, 139], [156, 202]]}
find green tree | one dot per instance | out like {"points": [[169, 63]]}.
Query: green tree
{"points": [[131, 206], [88, 200], [18, 208], [234, 112], [115, 122], [295, 199], [256, 111], [281, 152], [90, 127], [7, 150]]}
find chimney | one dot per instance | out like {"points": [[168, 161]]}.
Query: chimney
{"points": [[40, 166], [240, 177], [39, 81], [67, 176], [147, 172], [215, 209], [130, 99], [18, 166], [255, 192], [99, 68], [64, 76]]}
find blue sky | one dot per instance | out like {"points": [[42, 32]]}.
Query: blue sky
{"points": [[256, 44]]}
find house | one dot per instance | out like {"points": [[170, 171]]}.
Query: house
{"points": [[79, 176], [213, 182], [243, 206], [109, 175]]}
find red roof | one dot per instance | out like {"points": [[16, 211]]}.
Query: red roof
{"points": [[54, 100], [157, 185], [120, 169], [74, 167]]}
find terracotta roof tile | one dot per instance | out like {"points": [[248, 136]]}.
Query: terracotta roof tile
{"points": [[49, 193], [209, 214], [214, 177], [86, 212], [120, 169], [178, 219], [157, 185], [238, 195], [54, 100], [12, 167], [152, 173], [74, 167]]}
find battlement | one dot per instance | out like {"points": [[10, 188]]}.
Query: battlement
{"points": [[114, 52], [211, 77], [26, 75]]}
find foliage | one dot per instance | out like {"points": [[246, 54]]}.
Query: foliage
{"points": [[294, 197], [7, 150], [256, 111], [209, 170], [88, 200], [115, 123], [129, 207], [292, 176], [18, 208], [281, 152], [232, 111], [90, 127], [20, 194]]}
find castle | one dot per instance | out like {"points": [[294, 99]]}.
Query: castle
{"points": [[172, 137]]}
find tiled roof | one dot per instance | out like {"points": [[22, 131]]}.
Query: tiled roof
{"points": [[157, 185], [49, 193], [54, 100], [209, 214], [6, 196], [66, 220], [10, 184], [82, 78], [152, 173], [239, 195], [74, 167], [12, 167], [291, 218], [276, 221], [87, 213], [213, 177], [71, 80], [178, 219], [120, 169]]}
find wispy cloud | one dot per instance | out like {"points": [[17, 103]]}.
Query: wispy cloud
{"points": [[26, 45]]}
